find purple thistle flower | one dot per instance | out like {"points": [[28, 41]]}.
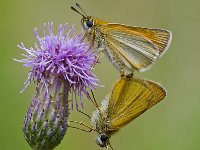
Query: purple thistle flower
{"points": [[61, 56], [60, 64]]}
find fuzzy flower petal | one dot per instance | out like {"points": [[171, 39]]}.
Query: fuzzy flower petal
{"points": [[63, 56]]}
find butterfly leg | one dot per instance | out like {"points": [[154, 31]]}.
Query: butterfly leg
{"points": [[82, 124], [98, 58], [127, 75], [84, 36], [91, 40], [91, 43], [84, 114], [80, 129], [80, 111]]}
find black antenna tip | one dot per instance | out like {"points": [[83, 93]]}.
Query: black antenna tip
{"points": [[77, 5], [72, 8]]}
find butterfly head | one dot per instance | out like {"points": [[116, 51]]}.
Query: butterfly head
{"points": [[87, 21], [102, 140]]}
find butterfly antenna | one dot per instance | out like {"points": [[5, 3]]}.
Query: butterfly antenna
{"points": [[74, 9], [95, 102], [110, 146], [81, 9], [93, 99]]}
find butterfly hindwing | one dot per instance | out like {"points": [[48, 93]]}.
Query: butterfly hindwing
{"points": [[130, 98]]}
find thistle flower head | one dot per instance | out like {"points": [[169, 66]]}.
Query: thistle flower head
{"points": [[60, 64], [62, 56]]}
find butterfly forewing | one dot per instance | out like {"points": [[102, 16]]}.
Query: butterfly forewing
{"points": [[158, 37], [140, 46], [130, 98]]}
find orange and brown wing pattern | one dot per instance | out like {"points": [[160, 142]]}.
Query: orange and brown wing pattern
{"points": [[130, 98], [140, 46], [160, 38]]}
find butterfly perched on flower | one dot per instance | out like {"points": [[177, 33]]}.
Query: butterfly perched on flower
{"points": [[129, 98], [128, 48]]}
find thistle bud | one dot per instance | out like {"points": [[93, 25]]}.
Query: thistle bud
{"points": [[45, 123]]}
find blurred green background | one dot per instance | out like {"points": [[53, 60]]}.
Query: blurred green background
{"points": [[171, 125]]}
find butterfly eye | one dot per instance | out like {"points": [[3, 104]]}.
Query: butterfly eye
{"points": [[104, 138], [89, 23]]}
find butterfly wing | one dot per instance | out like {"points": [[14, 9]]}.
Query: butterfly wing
{"points": [[139, 46], [130, 98]]}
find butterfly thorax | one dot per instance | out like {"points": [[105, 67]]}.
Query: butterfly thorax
{"points": [[101, 121]]}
